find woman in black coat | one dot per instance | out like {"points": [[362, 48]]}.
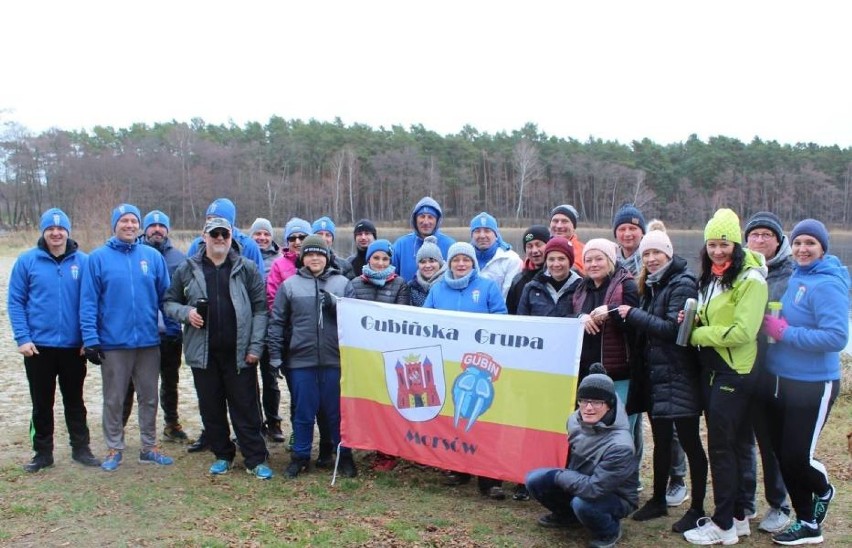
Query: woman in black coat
{"points": [[665, 379]]}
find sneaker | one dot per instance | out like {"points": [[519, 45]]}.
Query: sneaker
{"points": [[775, 521], [261, 471], [297, 466], [384, 463], [676, 494], [494, 492], [291, 441], [688, 521], [153, 456], [199, 445], [652, 509], [742, 526], [453, 479], [174, 432], [799, 533], [558, 521], [708, 533], [274, 433], [346, 466], [39, 462], [821, 505], [606, 542], [521, 493], [112, 460], [85, 457], [220, 467]]}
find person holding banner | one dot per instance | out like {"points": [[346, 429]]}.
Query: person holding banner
{"points": [[599, 487], [665, 379], [551, 291], [464, 290], [303, 339]]}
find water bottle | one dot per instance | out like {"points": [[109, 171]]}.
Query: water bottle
{"points": [[201, 309], [690, 307], [775, 312]]}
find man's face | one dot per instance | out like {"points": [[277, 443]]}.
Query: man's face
{"points": [[315, 262], [262, 238], [218, 242], [56, 239], [763, 241], [628, 237], [561, 225], [535, 251], [327, 236], [363, 239], [483, 238], [426, 223], [294, 242], [592, 411], [156, 233], [127, 228]]}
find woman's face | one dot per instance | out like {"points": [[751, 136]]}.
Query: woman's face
{"points": [[720, 251], [654, 259], [461, 265], [558, 264], [428, 267], [597, 266], [806, 249], [379, 261]]}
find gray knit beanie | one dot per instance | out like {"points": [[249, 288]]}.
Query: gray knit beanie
{"points": [[262, 224], [430, 250], [463, 248]]}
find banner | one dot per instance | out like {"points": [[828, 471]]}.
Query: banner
{"points": [[487, 394]]}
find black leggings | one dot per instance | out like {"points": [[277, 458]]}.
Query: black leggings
{"points": [[687, 430]]}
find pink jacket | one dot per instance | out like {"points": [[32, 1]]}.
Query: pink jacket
{"points": [[283, 267]]}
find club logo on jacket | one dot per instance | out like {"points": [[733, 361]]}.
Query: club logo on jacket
{"points": [[800, 294], [144, 265], [473, 390], [75, 272], [415, 382], [475, 295]]}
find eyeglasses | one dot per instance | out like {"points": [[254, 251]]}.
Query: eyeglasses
{"points": [[296, 238], [594, 404], [224, 234], [760, 235]]}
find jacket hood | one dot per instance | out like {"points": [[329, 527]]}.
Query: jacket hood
{"points": [[120, 245], [784, 253], [755, 261], [677, 267], [829, 265], [429, 202], [619, 423]]}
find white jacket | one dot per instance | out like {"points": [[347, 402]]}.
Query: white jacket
{"points": [[502, 268]]}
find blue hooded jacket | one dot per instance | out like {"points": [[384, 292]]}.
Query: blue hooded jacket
{"points": [[405, 247], [44, 297], [816, 307], [174, 257], [122, 293]]}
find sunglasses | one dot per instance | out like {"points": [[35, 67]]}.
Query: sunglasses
{"points": [[296, 238], [224, 234]]}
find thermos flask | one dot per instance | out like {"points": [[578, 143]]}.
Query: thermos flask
{"points": [[690, 307]]}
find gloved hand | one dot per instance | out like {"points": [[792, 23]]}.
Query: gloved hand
{"points": [[328, 300], [774, 327], [94, 354]]}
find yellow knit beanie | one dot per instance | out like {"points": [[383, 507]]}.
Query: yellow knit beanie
{"points": [[725, 225]]}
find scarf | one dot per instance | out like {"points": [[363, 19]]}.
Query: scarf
{"points": [[379, 278]]}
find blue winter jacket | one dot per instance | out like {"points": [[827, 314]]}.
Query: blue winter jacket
{"points": [[480, 295], [122, 292], [816, 307], [174, 257], [405, 247], [44, 297], [248, 247]]}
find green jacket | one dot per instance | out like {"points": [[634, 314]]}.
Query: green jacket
{"points": [[730, 319]]}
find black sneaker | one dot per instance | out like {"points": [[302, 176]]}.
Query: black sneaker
{"points": [[85, 457], [39, 462], [326, 456], [521, 493], [494, 492], [453, 479], [557, 521], [297, 466], [274, 433], [821, 505], [174, 432], [688, 521], [199, 445], [346, 467], [799, 533], [652, 509], [606, 542]]}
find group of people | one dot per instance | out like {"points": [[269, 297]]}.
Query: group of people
{"points": [[238, 303]]}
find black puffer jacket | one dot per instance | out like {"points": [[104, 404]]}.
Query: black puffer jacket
{"points": [[395, 291], [665, 376], [539, 298]]}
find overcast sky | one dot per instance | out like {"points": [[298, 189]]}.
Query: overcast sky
{"points": [[619, 70]]}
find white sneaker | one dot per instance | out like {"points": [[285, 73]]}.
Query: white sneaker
{"points": [[708, 533], [775, 521], [742, 527], [676, 494]]}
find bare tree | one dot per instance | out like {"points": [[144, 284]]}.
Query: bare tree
{"points": [[528, 168]]}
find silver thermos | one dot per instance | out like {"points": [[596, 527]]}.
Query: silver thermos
{"points": [[690, 307]]}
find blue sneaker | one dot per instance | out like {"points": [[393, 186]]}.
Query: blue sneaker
{"points": [[112, 460], [153, 456], [261, 471], [220, 467]]}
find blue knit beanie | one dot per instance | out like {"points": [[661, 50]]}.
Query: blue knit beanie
{"points": [[225, 208], [297, 226], [124, 209], [814, 228], [155, 217], [628, 214], [323, 223], [484, 220], [380, 245], [54, 217]]}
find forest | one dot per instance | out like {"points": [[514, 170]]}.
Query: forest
{"points": [[286, 168]]}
